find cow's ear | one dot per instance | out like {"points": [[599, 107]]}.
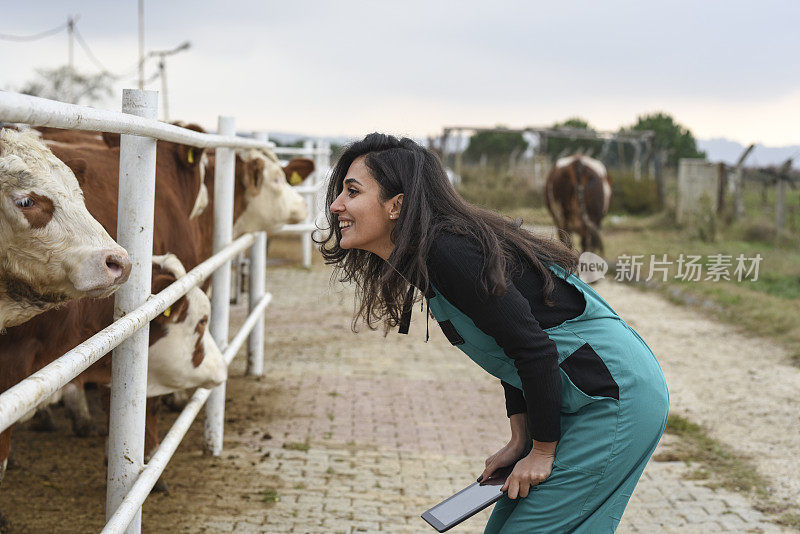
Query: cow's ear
{"points": [[161, 280], [298, 170], [111, 139], [78, 167], [254, 175], [188, 156], [179, 310]]}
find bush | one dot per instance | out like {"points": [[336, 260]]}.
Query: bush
{"points": [[497, 189], [631, 196]]}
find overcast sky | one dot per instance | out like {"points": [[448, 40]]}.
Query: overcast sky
{"points": [[722, 68]]}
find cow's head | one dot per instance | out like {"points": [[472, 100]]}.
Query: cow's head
{"points": [[182, 353], [51, 249], [191, 163], [270, 202]]}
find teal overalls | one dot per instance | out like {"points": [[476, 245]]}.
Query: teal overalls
{"points": [[606, 440]]}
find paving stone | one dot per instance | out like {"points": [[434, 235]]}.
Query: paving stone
{"points": [[395, 425]]}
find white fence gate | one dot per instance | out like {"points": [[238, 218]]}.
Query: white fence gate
{"points": [[129, 480]]}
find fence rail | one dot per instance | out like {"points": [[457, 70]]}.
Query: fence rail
{"points": [[129, 480]]}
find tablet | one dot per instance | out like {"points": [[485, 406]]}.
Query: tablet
{"points": [[468, 501]]}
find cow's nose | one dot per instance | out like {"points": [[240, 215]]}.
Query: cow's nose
{"points": [[118, 265]]}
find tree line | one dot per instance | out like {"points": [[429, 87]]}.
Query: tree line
{"points": [[671, 140]]}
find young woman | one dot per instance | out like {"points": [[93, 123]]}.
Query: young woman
{"points": [[583, 391]]}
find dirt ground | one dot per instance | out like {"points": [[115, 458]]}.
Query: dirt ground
{"points": [[330, 403]]}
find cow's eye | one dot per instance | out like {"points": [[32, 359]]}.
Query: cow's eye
{"points": [[25, 202]]}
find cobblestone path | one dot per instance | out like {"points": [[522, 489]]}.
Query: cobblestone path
{"points": [[367, 432]]}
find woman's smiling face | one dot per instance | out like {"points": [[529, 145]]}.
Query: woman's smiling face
{"points": [[365, 221]]}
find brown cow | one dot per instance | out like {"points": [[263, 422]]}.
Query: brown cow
{"points": [[51, 249], [577, 194]]}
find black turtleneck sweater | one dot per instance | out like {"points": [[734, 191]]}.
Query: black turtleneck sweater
{"points": [[515, 320]]}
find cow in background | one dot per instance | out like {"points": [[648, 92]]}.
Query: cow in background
{"points": [[577, 194], [51, 249], [263, 199]]}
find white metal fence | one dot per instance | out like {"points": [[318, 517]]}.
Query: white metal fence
{"points": [[129, 479], [313, 189]]}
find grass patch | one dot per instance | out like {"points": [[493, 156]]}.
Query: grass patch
{"points": [[498, 188], [724, 468], [790, 520], [296, 446], [269, 495], [779, 285]]}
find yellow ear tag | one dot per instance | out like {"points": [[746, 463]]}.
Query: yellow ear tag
{"points": [[295, 179], [168, 311], [191, 155]]}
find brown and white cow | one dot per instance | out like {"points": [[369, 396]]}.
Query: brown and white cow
{"points": [[51, 249], [182, 181], [577, 194], [182, 353], [263, 200]]}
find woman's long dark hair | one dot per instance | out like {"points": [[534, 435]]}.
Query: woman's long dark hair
{"points": [[430, 205]]}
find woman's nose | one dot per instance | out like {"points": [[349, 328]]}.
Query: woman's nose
{"points": [[337, 206]]}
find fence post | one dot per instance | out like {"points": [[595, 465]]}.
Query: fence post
{"points": [[224, 168], [780, 206], [738, 178], [136, 205], [258, 274], [310, 204], [321, 162]]}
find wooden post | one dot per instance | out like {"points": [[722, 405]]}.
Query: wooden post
{"points": [[723, 185], [738, 177], [780, 197], [658, 174], [780, 206]]}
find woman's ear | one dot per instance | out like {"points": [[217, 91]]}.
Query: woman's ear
{"points": [[395, 205]]}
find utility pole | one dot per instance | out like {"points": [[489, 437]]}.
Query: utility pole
{"points": [[162, 71], [141, 44], [71, 57]]}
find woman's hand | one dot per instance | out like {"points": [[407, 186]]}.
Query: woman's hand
{"points": [[531, 471], [508, 455]]}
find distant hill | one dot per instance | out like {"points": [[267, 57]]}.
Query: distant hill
{"points": [[288, 138], [721, 149]]}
